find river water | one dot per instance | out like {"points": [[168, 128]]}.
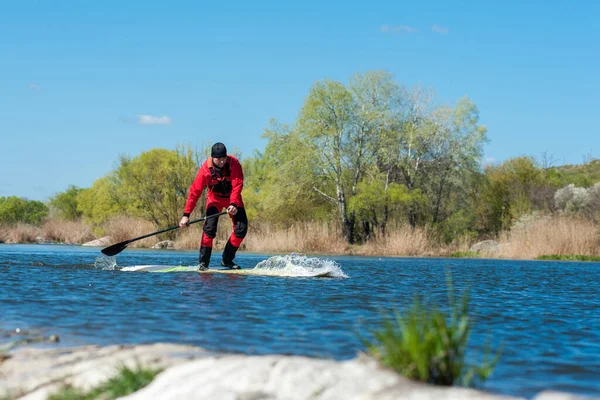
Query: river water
{"points": [[545, 316]]}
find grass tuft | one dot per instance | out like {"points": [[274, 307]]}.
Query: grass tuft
{"points": [[126, 382], [426, 345]]}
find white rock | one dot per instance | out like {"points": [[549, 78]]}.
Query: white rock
{"points": [[487, 246], [194, 373], [101, 242], [165, 244]]}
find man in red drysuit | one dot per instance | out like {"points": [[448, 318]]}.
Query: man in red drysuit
{"points": [[223, 176]]}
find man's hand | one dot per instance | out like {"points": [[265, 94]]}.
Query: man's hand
{"points": [[232, 210], [184, 222]]}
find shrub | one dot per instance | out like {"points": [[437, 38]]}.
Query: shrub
{"points": [[579, 201], [15, 209]]}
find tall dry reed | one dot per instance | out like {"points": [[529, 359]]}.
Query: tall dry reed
{"points": [[69, 232], [121, 228], [20, 233], [318, 237], [304, 237], [400, 242], [528, 239], [544, 235]]}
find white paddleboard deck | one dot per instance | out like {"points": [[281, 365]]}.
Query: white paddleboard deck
{"points": [[244, 271], [264, 272]]}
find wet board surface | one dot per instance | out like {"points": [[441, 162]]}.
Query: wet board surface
{"points": [[264, 272], [159, 268], [245, 271]]}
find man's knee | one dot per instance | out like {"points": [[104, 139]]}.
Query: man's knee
{"points": [[210, 230], [241, 223], [210, 225], [240, 230]]}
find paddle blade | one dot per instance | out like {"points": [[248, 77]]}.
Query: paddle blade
{"points": [[114, 249]]}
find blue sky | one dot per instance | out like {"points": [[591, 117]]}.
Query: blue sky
{"points": [[82, 82]]}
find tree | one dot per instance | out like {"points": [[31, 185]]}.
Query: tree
{"points": [[15, 209], [325, 128], [509, 192], [455, 153], [342, 128], [100, 202], [378, 99], [403, 150], [374, 202], [279, 181], [66, 203], [152, 186], [434, 150]]}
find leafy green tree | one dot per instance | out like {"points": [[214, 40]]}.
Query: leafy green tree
{"points": [[100, 202], [279, 182], [342, 127], [455, 153], [510, 191], [15, 209], [373, 204], [66, 203], [378, 101], [434, 150], [326, 129], [152, 186]]}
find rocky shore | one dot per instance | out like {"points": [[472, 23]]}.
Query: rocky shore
{"points": [[193, 373]]}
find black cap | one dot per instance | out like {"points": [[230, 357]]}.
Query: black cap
{"points": [[218, 150]]}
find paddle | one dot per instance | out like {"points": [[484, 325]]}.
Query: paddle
{"points": [[119, 247]]}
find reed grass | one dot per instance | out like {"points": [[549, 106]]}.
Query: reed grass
{"points": [[69, 232], [123, 227], [557, 235], [19, 233], [425, 344], [126, 382], [530, 238], [304, 237], [402, 241]]}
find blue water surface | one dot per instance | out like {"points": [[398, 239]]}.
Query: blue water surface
{"points": [[545, 316]]}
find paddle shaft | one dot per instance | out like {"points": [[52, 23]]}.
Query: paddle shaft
{"points": [[175, 227]]}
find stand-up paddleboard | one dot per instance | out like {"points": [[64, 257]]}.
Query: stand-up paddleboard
{"points": [[292, 265], [159, 268], [246, 271], [267, 272]]}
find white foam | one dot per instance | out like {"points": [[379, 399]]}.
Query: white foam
{"points": [[106, 263], [300, 265]]}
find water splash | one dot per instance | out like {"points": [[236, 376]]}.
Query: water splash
{"points": [[300, 265], [106, 263]]}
